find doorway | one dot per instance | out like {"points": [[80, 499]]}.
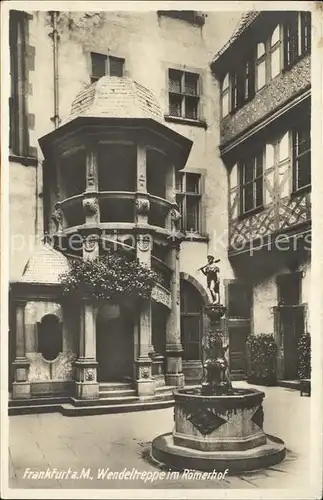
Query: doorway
{"points": [[291, 325], [115, 345]]}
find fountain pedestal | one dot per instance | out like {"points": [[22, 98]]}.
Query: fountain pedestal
{"points": [[216, 426]]}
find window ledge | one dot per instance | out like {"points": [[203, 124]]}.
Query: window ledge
{"points": [[195, 237], [251, 212], [186, 121], [28, 161]]}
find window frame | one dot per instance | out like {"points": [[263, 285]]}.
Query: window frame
{"points": [[107, 65], [225, 91], [260, 60], [300, 127], [302, 22], [183, 195], [254, 158], [241, 78], [277, 46], [184, 96]]}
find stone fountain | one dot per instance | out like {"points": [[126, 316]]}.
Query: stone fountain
{"points": [[217, 426]]}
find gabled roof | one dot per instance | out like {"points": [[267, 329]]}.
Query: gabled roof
{"points": [[45, 266]]}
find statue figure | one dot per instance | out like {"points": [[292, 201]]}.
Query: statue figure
{"points": [[216, 369], [211, 271]]}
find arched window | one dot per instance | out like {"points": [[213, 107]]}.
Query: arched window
{"points": [[191, 321], [261, 66], [275, 50], [225, 96], [50, 342]]}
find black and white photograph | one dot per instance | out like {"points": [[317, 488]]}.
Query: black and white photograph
{"points": [[161, 268]]}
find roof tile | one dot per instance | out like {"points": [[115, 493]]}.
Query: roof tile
{"points": [[116, 97], [45, 266]]}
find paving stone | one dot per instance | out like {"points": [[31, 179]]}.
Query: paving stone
{"points": [[121, 441]]}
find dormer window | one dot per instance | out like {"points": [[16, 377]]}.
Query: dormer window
{"points": [[102, 65]]}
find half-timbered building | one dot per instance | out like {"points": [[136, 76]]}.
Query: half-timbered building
{"points": [[265, 143]]}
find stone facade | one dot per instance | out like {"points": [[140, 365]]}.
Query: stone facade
{"points": [[143, 40], [149, 43]]}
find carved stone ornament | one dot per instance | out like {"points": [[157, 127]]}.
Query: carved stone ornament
{"points": [[89, 374], [144, 372], [143, 242], [142, 206], [57, 217], [90, 242], [178, 296], [142, 180], [90, 206], [160, 295], [175, 218]]}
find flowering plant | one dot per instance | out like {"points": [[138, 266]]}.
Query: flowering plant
{"points": [[107, 277], [304, 356]]}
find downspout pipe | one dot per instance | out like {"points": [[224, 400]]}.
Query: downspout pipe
{"points": [[55, 36]]}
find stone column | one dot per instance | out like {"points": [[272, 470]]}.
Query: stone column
{"points": [[87, 386], [170, 195], [174, 350], [142, 206], [91, 208], [21, 385], [144, 381]]}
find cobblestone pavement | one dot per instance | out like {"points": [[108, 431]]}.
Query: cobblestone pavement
{"points": [[122, 441]]}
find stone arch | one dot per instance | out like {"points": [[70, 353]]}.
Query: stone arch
{"points": [[197, 285]]}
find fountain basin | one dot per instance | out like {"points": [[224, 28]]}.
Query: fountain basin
{"points": [[212, 432]]}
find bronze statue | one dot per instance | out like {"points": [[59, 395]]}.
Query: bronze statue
{"points": [[211, 271], [216, 368]]}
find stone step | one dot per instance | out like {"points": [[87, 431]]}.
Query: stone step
{"points": [[117, 393], [33, 409], [74, 407], [165, 388], [289, 384], [114, 386], [104, 401], [72, 411], [38, 401]]}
